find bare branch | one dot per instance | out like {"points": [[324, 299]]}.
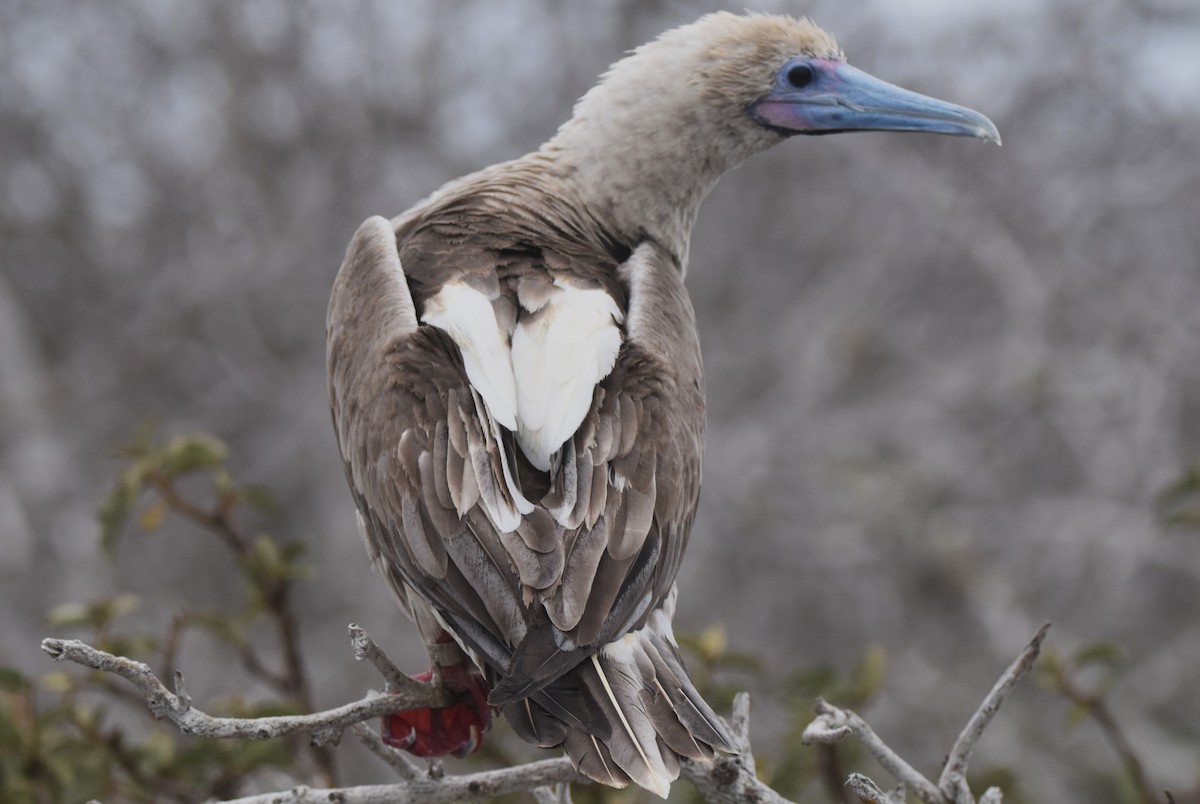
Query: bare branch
{"points": [[558, 794], [959, 791], [398, 760], [739, 721], [486, 784], [724, 780], [833, 724], [732, 779], [365, 648], [956, 762], [177, 708], [868, 791]]}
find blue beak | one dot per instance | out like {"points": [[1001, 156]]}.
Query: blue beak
{"points": [[825, 96]]}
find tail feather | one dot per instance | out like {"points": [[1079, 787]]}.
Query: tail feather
{"points": [[628, 714], [534, 724], [591, 757], [634, 746], [692, 713]]}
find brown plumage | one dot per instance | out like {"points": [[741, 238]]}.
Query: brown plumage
{"points": [[518, 396]]}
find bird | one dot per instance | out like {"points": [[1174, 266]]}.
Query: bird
{"points": [[517, 392]]}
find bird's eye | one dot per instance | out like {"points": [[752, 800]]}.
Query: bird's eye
{"points": [[800, 76]]}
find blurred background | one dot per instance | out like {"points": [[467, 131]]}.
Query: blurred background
{"points": [[948, 382]]}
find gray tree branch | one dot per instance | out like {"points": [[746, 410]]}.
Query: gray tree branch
{"points": [[177, 706], [725, 780], [833, 724], [956, 762], [429, 790]]}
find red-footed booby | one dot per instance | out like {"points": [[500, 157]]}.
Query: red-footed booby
{"points": [[517, 392]]}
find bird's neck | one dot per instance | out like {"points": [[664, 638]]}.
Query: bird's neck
{"points": [[644, 181]]}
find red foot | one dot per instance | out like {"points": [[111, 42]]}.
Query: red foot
{"points": [[454, 729]]}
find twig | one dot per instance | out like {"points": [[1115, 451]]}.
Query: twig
{"points": [[956, 762], [179, 624], [725, 780], [1098, 710], [833, 724], [176, 707], [398, 760], [255, 666], [217, 522], [832, 775], [732, 779], [991, 796], [869, 792], [366, 649], [486, 784], [293, 680], [558, 794]]}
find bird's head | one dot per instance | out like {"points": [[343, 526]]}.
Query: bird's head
{"points": [[667, 120], [789, 77]]}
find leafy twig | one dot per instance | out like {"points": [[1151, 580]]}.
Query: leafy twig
{"points": [[1097, 708]]}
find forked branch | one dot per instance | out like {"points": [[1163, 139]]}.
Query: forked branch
{"points": [[833, 724], [726, 780]]}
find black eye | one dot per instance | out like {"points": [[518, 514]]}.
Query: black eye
{"points": [[800, 76]]}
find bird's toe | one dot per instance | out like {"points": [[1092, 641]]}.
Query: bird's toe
{"points": [[440, 731]]}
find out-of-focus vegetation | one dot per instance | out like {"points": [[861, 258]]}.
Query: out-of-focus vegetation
{"points": [[71, 735]]}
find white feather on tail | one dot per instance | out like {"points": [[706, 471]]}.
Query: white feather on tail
{"points": [[628, 713]]}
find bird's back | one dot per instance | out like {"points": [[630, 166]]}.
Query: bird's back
{"points": [[526, 454]]}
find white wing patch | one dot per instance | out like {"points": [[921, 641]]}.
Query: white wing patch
{"points": [[537, 379], [560, 351], [467, 316]]}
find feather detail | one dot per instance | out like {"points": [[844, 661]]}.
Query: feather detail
{"points": [[650, 773], [468, 317], [638, 685], [560, 351]]}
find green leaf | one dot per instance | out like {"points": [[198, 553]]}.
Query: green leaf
{"points": [[160, 748], [867, 677], [737, 660], [259, 497], [59, 681], [190, 453], [810, 683], [153, 516], [1108, 654], [1077, 713], [99, 614], [712, 643], [269, 563], [69, 615], [220, 625], [117, 508], [143, 441], [13, 680], [1177, 504], [135, 646], [120, 605]]}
